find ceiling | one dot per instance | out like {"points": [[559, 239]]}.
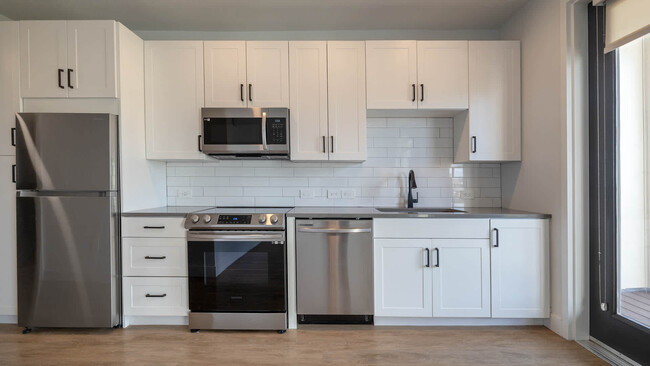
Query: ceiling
{"points": [[273, 15]]}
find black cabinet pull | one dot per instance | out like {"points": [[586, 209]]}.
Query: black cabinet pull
{"points": [[473, 144], [60, 76], [332, 147], [13, 136], [413, 100], [150, 295], [250, 92], [200, 144], [241, 92], [496, 242], [421, 92], [151, 257], [428, 258], [324, 150], [153, 227], [437, 257], [70, 79], [13, 173]]}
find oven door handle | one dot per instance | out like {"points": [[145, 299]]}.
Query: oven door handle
{"points": [[191, 236], [265, 147]]}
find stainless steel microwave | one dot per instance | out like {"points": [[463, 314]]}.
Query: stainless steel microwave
{"points": [[245, 133]]}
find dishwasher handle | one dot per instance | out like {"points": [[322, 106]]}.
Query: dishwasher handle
{"points": [[335, 230]]}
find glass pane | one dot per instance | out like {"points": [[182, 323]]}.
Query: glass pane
{"points": [[233, 131], [634, 182]]}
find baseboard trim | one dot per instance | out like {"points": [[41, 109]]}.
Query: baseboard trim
{"points": [[8, 319], [607, 353], [154, 320], [469, 322]]}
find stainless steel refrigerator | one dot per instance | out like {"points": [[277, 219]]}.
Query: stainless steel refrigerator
{"points": [[67, 210]]}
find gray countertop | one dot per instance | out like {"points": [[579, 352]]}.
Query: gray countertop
{"points": [[169, 211], [354, 212], [369, 212]]}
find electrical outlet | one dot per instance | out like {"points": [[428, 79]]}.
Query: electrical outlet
{"points": [[333, 193], [306, 193], [467, 195], [347, 193], [185, 192]]}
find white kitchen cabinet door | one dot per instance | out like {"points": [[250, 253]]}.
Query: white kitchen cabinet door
{"points": [[173, 99], [494, 116], [43, 59], [346, 100], [520, 268], [91, 71], [267, 71], [461, 278], [402, 281], [308, 95], [225, 74], [443, 74], [9, 83], [8, 241], [392, 74]]}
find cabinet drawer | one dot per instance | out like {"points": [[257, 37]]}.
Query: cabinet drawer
{"points": [[155, 296], [154, 257], [432, 228], [153, 227]]}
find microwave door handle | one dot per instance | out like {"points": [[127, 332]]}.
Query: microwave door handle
{"points": [[265, 147]]}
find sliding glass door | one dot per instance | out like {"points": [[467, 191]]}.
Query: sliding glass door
{"points": [[619, 193]]}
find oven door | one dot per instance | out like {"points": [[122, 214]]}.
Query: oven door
{"points": [[236, 271]]}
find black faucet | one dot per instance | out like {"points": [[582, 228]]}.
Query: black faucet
{"points": [[412, 185]]}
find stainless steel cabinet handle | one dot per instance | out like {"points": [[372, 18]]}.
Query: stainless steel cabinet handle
{"points": [[151, 257], [473, 144], [324, 150], [335, 230], [332, 147], [150, 295], [428, 258], [496, 241], [437, 257], [153, 227]]}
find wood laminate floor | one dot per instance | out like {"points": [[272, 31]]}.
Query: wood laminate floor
{"points": [[313, 345]]}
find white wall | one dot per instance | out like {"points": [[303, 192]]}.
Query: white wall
{"points": [[395, 145], [536, 184]]}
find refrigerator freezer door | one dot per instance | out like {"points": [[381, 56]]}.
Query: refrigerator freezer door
{"points": [[66, 152], [68, 274]]}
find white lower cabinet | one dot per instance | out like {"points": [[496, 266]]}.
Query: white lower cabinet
{"points": [[497, 269], [402, 282], [155, 296], [520, 269]]}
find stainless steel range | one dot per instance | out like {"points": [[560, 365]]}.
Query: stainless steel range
{"points": [[237, 269]]}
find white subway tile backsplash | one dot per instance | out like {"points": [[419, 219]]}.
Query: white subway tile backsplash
{"points": [[395, 146]]}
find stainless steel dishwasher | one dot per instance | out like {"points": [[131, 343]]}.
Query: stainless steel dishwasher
{"points": [[334, 260]]}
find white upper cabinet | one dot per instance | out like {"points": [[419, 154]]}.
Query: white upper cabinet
{"points": [[43, 59], [308, 86], [225, 74], [347, 100], [62, 59], [173, 99], [91, 59], [491, 129], [267, 70], [391, 69], [9, 84], [461, 278], [442, 74], [520, 268], [402, 278]]}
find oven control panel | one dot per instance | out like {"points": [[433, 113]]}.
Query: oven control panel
{"points": [[234, 219]]}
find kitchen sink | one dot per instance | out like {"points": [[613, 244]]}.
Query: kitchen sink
{"points": [[419, 210]]}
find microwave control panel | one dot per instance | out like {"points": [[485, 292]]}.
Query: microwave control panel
{"points": [[276, 131]]}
